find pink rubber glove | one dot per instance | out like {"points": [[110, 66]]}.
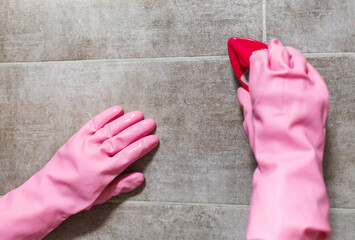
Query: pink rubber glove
{"points": [[284, 118], [84, 172]]}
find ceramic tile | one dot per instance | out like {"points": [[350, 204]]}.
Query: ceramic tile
{"points": [[174, 221], [312, 26], [339, 154], [343, 224], [154, 221], [203, 154], [102, 29]]}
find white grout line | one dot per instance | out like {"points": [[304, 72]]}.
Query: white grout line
{"points": [[180, 203], [236, 206], [225, 57], [264, 21], [127, 60], [343, 210], [335, 54]]}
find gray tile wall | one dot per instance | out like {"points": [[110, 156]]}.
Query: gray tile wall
{"points": [[168, 60], [102, 29], [312, 25]]}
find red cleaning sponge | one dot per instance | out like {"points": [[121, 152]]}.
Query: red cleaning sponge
{"points": [[239, 50]]}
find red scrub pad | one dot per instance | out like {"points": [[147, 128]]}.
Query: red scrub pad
{"points": [[239, 50]]}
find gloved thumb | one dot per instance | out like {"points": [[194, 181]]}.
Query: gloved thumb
{"points": [[122, 184], [245, 103]]}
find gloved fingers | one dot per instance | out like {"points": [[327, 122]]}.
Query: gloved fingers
{"points": [[259, 65], [322, 90], [318, 81], [118, 125], [302, 67], [131, 134], [102, 119], [244, 99], [133, 152], [279, 57], [281, 64], [245, 102], [122, 184], [298, 62]]}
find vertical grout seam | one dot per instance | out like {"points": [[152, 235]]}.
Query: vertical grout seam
{"points": [[264, 21]]}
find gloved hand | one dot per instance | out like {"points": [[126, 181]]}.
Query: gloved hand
{"points": [[85, 171], [285, 112]]}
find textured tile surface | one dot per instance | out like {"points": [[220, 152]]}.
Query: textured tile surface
{"points": [[203, 154], [155, 221], [342, 223], [312, 26], [42, 30], [339, 154], [166, 221]]}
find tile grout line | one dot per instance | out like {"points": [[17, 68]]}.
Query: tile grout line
{"points": [[179, 203], [334, 54], [196, 58], [237, 206], [264, 21]]}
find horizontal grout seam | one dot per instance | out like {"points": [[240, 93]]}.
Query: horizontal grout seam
{"points": [[335, 54], [236, 206], [122, 60], [164, 203], [196, 58]]}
